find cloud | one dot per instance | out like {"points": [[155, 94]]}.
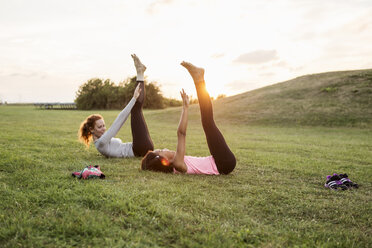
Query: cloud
{"points": [[152, 7], [217, 55], [239, 85], [257, 57], [281, 63], [267, 74], [347, 46], [24, 74], [18, 74], [236, 85], [278, 65]]}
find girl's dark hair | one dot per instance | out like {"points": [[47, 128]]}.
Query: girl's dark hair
{"points": [[152, 161]]}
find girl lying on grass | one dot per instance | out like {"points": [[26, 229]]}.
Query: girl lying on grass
{"points": [[221, 161], [93, 127]]}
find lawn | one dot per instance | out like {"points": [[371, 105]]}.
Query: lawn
{"points": [[274, 198]]}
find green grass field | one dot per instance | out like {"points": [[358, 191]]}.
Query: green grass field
{"points": [[274, 198]]}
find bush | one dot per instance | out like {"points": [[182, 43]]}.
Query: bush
{"points": [[99, 94], [220, 96], [170, 102]]}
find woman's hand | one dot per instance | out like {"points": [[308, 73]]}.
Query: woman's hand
{"points": [[137, 92], [185, 99]]}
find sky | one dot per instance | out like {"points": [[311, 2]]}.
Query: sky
{"points": [[48, 48]]}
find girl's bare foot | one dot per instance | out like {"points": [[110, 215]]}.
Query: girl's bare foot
{"points": [[196, 73], [140, 68]]}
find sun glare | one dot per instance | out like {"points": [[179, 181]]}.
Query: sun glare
{"points": [[215, 89]]}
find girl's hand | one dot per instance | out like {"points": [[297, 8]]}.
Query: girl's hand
{"points": [[185, 99], [137, 92]]}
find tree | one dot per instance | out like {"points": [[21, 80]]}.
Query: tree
{"points": [[172, 102], [87, 94], [220, 96], [154, 98], [193, 100], [99, 94]]}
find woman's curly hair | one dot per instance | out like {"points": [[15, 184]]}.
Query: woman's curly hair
{"points": [[85, 135]]}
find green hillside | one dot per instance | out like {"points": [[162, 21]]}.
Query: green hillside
{"points": [[331, 99]]}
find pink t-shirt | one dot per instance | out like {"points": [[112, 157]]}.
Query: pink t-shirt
{"points": [[200, 165]]}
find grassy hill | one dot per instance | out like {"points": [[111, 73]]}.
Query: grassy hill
{"points": [[332, 99]]}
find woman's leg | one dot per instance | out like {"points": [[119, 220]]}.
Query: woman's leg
{"points": [[142, 142], [224, 158]]}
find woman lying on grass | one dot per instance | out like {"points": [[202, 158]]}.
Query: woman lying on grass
{"points": [[221, 161], [94, 126]]}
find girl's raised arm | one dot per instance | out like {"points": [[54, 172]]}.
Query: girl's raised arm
{"points": [[178, 161]]}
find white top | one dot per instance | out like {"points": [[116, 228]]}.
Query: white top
{"points": [[109, 146]]}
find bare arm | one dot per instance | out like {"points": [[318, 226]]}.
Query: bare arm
{"points": [[178, 161]]}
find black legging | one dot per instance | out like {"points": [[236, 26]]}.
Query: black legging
{"points": [[224, 158], [142, 142]]}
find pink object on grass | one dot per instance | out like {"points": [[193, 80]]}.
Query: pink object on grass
{"points": [[89, 172]]}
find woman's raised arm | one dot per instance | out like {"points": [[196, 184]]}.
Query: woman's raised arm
{"points": [[120, 119], [178, 161]]}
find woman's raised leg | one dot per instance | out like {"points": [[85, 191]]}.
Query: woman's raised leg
{"points": [[224, 158], [142, 142]]}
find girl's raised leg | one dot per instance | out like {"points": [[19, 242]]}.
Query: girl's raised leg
{"points": [[142, 142], [224, 158]]}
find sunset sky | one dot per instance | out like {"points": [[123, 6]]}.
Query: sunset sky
{"points": [[48, 48]]}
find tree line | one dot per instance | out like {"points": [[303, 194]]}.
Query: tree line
{"points": [[105, 94]]}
